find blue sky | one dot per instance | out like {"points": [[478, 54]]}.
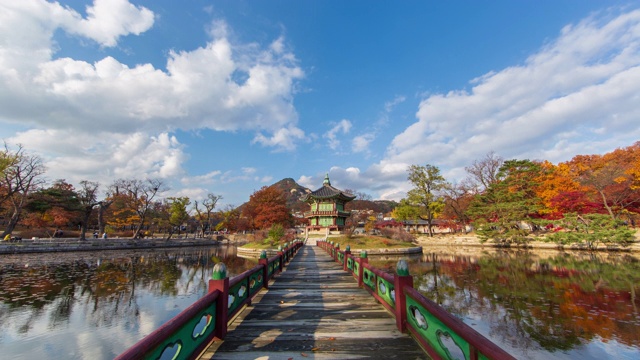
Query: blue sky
{"points": [[229, 96]]}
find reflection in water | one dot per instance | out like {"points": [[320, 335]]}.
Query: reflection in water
{"points": [[95, 305], [561, 306]]}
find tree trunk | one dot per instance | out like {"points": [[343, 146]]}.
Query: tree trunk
{"points": [[604, 202], [136, 234], [13, 221], [85, 220]]}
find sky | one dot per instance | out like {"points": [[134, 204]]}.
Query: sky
{"points": [[226, 97]]}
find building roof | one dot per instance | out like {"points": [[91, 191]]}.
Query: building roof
{"points": [[328, 192]]}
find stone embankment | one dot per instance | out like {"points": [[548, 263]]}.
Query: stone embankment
{"points": [[61, 245], [474, 241]]}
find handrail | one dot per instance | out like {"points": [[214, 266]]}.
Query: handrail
{"points": [[437, 331], [186, 335], [159, 336], [474, 339]]}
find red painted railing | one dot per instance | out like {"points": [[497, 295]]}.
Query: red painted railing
{"points": [[439, 333], [187, 334]]}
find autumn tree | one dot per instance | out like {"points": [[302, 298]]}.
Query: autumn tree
{"points": [[18, 181], [427, 183], [132, 201], [55, 206], [178, 214], [204, 212], [508, 209], [232, 220], [87, 201], [610, 177], [484, 172], [266, 207], [457, 197]]}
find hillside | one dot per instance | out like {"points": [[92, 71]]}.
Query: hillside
{"points": [[294, 191]]}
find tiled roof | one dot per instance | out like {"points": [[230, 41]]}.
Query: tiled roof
{"points": [[328, 191]]}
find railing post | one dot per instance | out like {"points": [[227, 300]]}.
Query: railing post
{"points": [[363, 260], [336, 255], [281, 255], [402, 279], [347, 252], [220, 281], [264, 261]]}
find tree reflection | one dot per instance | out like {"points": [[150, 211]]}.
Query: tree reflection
{"points": [[104, 286], [556, 303]]}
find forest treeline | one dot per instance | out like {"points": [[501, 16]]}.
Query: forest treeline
{"points": [[589, 199]]}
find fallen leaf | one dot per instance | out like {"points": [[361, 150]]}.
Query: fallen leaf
{"points": [[332, 338], [315, 349], [303, 354]]}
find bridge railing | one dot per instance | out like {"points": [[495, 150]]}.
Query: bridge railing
{"points": [[440, 334], [187, 334]]}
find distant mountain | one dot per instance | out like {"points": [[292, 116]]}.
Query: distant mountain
{"points": [[294, 192]]}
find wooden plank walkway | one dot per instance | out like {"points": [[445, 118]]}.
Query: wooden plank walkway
{"points": [[314, 310]]}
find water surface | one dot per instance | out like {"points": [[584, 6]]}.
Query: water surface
{"points": [[95, 305], [540, 305]]}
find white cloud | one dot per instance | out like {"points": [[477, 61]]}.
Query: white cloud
{"points": [[361, 143], [107, 20], [578, 94], [585, 81], [220, 86], [207, 178], [77, 156], [344, 126]]}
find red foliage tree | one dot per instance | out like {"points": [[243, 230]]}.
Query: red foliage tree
{"points": [[266, 207]]}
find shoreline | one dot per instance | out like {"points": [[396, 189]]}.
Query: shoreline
{"points": [[29, 246], [473, 241]]}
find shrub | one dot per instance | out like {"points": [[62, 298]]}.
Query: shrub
{"points": [[397, 234]]}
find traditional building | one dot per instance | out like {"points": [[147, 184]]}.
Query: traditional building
{"points": [[327, 208]]}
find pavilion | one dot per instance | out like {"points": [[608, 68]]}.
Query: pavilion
{"points": [[327, 212]]}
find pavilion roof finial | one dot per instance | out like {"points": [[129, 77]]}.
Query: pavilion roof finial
{"points": [[326, 180]]}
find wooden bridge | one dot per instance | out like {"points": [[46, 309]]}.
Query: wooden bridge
{"points": [[326, 304], [314, 309]]}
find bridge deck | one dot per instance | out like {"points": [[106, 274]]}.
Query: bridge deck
{"points": [[314, 310]]}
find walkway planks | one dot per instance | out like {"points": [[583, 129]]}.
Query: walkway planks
{"points": [[314, 310]]}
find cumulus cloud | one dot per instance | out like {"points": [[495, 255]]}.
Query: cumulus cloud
{"points": [[344, 126], [77, 156], [220, 86], [578, 94], [361, 143]]}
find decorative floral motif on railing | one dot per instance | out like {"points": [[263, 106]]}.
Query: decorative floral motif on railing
{"points": [[201, 327], [386, 291], [369, 278], [440, 337], [171, 351]]}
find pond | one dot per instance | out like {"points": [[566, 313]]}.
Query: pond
{"points": [[96, 305], [536, 305], [539, 305]]}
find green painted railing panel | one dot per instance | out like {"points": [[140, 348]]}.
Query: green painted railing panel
{"points": [[184, 342], [237, 294], [271, 269], [386, 291], [369, 278], [256, 281], [356, 268], [350, 264], [443, 340], [341, 257]]}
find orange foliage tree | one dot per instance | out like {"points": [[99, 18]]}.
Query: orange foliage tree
{"points": [[266, 207]]}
